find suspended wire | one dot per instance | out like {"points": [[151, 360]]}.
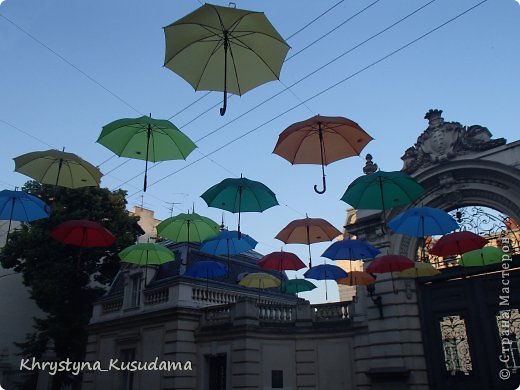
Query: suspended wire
{"points": [[27, 133], [71, 64], [313, 20], [189, 105], [107, 160], [325, 90]]}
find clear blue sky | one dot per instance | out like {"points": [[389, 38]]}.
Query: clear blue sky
{"points": [[468, 68]]}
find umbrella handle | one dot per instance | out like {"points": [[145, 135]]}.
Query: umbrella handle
{"points": [[324, 186], [226, 43], [223, 108]]}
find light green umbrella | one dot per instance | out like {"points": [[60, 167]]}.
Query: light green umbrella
{"points": [[58, 168], [146, 254], [190, 227], [479, 257], [145, 138], [226, 49]]}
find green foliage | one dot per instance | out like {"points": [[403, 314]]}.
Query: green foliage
{"points": [[65, 280]]}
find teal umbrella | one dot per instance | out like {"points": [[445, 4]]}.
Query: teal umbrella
{"points": [[145, 138], [297, 286], [240, 195], [382, 191]]}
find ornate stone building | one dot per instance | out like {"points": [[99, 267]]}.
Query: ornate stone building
{"points": [[441, 332]]}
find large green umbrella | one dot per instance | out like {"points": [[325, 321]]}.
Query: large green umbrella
{"points": [[145, 138], [190, 227], [297, 286], [58, 168], [226, 49], [382, 191], [480, 257], [240, 195]]}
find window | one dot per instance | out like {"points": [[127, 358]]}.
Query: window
{"points": [[455, 345], [127, 377], [277, 379], [135, 290], [217, 371]]}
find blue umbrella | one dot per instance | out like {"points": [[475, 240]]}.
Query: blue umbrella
{"points": [[423, 221], [351, 250], [20, 206], [325, 272], [207, 269], [227, 242]]}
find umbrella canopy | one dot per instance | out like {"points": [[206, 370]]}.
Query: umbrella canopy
{"points": [[351, 250], [457, 243], [58, 169], [259, 280], [321, 140], [227, 242], [423, 221], [479, 257], [281, 261], [389, 263], [83, 233], [224, 49], [419, 270], [20, 206], [190, 227], [240, 195], [297, 286], [206, 269], [382, 191], [146, 254], [308, 231], [145, 138], [325, 272], [357, 278]]}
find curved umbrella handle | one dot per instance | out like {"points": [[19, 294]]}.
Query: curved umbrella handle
{"points": [[324, 186], [223, 108]]}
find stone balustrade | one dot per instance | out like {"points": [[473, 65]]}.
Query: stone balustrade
{"points": [[112, 305], [276, 313], [157, 296]]}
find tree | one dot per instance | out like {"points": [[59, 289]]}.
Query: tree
{"points": [[65, 280]]}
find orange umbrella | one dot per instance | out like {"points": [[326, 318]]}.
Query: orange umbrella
{"points": [[357, 278], [308, 231], [321, 140]]}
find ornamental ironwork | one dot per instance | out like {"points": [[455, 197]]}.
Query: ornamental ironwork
{"points": [[457, 358], [508, 323]]}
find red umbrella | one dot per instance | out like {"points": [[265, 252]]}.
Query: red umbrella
{"points": [[390, 263], [83, 233], [458, 243], [281, 261]]}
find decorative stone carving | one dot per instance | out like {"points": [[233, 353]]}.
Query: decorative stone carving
{"points": [[442, 141], [369, 167]]}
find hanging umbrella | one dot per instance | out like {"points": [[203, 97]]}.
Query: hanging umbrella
{"points": [[321, 140], [308, 231], [145, 138], [479, 257], [259, 280], [390, 264], [419, 270], [382, 191], [240, 195], [224, 49], [83, 233], [325, 272], [423, 221], [190, 227], [58, 169], [297, 286], [20, 206], [146, 254], [357, 278], [457, 243], [281, 261], [207, 269], [227, 242], [351, 250]]}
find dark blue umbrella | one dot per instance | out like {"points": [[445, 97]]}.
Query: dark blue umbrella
{"points": [[423, 221], [20, 206], [227, 242], [325, 272], [207, 269], [351, 250]]}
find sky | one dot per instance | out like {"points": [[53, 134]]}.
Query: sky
{"points": [[69, 68]]}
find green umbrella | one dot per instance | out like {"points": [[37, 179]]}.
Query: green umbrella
{"points": [[382, 191], [58, 168], [224, 49], [297, 286], [146, 254], [190, 227], [145, 138], [485, 256], [240, 195]]}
